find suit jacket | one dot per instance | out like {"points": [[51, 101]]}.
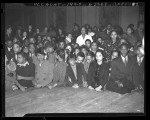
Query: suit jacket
{"points": [[103, 73], [138, 71], [8, 53], [80, 75], [120, 71]]}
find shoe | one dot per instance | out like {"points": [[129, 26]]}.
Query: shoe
{"points": [[75, 86], [55, 85], [91, 88], [98, 88], [14, 87], [50, 87]]}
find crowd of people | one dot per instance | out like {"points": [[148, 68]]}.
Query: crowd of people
{"points": [[97, 58]]}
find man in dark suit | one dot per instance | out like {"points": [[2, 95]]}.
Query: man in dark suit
{"points": [[75, 73], [138, 68], [121, 77]]}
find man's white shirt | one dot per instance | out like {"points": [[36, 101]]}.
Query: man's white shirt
{"points": [[81, 41]]}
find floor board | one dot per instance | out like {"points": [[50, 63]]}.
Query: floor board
{"points": [[70, 100]]}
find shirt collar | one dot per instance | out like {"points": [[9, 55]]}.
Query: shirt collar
{"points": [[26, 63]]}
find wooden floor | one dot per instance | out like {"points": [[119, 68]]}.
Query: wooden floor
{"points": [[70, 100]]}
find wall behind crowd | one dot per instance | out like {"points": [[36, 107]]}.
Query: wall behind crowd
{"points": [[65, 17]]}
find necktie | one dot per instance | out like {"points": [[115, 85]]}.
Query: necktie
{"points": [[125, 61]]}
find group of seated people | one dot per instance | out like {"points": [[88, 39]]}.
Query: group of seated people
{"points": [[104, 58]]}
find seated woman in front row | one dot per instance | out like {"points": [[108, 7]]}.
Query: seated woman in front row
{"points": [[25, 72], [98, 72]]}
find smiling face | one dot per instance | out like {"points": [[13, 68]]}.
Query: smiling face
{"points": [[124, 50], [114, 55], [99, 56], [94, 46], [83, 31], [88, 44], [129, 31], [20, 59], [16, 48], [113, 35], [40, 57]]}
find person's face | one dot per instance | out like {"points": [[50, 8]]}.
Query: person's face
{"points": [[76, 27], [72, 61], [49, 49], [140, 52], [45, 29], [80, 59], [88, 44], [30, 27], [26, 50], [40, 57], [113, 35], [24, 34], [84, 51], [77, 51], [89, 59], [60, 31], [49, 38], [129, 31], [9, 30], [31, 48], [114, 55], [32, 40], [124, 50], [70, 36], [62, 45], [69, 48], [9, 44], [83, 31], [99, 40], [94, 46], [122, 41], [16, 48], [76, 45], [39, 38], [99, 56], [37, 30], [141, 27], [15, 40], [19, 31], [40, 45], [20, 59]]}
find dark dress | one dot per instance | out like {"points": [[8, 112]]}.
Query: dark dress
{"points": [[26, 71], [98, 74]]}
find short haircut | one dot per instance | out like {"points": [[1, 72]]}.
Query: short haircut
{"points": [[84, 47], [102, 52], [81, 54], [22, 54], [90, 53], [113, 31], [130, 28], [123, 44], [115, 51], [40, 51], [61, 54], [49, 44], [18, 43], [140, 22], [88, 40], [71, 56]]}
